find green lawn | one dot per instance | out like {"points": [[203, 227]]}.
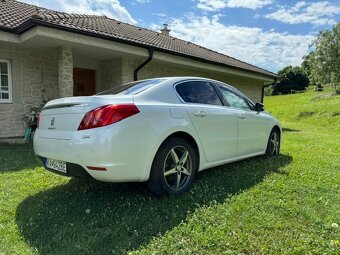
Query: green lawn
{"points": [[285, 205]]}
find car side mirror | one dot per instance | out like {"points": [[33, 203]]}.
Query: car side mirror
{"points": [[259, 107]]}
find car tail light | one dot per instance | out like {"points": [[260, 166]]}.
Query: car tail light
{"points": [[38, 120], [106, 115]]}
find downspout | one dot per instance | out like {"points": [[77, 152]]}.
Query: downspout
{"points": [[135, 73], [262, 95]]}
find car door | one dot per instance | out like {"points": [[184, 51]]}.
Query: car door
{"points": [[216, 125], [252, 125]]}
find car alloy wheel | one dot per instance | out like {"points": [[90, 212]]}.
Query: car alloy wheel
{"points": [[273, 147], [174, 167], [274, 143], [177, 168]]}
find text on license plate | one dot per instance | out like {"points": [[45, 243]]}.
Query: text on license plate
{"points": [[56, 165]]}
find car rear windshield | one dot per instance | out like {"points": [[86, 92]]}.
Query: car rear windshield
{"points": [[132, 88]]}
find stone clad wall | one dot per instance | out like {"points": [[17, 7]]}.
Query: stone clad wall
{"points": [[110, 75], [65, 67], [250, 87], [34, 76], [117, 71], [38, 74]]}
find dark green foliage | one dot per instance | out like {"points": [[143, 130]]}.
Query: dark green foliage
{"points": [[292, 79], [268, 91]]}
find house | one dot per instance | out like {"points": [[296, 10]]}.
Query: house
{"points": [[50, 54]]}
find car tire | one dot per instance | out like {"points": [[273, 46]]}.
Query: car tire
{"points": [[273, 145], [174, 168]]}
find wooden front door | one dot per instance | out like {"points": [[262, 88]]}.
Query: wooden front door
{"points": [[84, 82]]}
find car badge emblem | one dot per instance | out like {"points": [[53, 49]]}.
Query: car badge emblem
{"points": [[52, 122]]}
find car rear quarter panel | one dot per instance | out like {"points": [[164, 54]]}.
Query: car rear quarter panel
{"points": [[166, 120]]}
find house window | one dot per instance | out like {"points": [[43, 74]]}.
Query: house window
{"points": [[5, 81]]}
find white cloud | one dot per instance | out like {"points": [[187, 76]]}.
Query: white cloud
{"points": [[268, 49], [317, 13], [160, 14], [216, 5], [109, 8]]}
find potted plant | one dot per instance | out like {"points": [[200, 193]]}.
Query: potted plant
{"points": [[31, 119]]}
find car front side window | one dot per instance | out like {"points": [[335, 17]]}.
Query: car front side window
{"points": [[233, 99]]}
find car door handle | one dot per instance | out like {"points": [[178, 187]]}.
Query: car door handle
{"points": [[200, 114], [242, 116]]}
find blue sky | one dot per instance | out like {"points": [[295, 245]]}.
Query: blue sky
{"points": [[267, 33]]}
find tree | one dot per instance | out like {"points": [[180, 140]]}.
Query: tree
{"points": [[306, 64], [291, 78], [307, 69], [324, 62]]}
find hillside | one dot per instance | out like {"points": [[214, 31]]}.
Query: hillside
{"points": [[309, 110]]}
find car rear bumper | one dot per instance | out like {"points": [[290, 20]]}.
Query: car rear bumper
{"points": [[125, 152]]}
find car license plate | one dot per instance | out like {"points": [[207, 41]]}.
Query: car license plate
{"points": [[56, 165]]}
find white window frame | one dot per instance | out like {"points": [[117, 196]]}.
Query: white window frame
{"points": [[9, 69]]}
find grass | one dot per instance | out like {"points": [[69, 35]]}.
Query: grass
{"points": [[285, 205]]}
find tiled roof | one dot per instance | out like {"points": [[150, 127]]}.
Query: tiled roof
{"points": [[14, 14]]}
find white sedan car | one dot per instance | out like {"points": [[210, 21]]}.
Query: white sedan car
{"points": [[161, 130]]}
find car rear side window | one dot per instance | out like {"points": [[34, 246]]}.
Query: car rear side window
{"points": [[132, 88], [199, 92]]}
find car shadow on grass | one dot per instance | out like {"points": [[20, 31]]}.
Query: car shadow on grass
{"points": [[290, 130], [16, 157], [99, 218]]}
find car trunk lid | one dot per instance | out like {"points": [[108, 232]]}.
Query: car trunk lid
{"points": [[60, 117]]}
